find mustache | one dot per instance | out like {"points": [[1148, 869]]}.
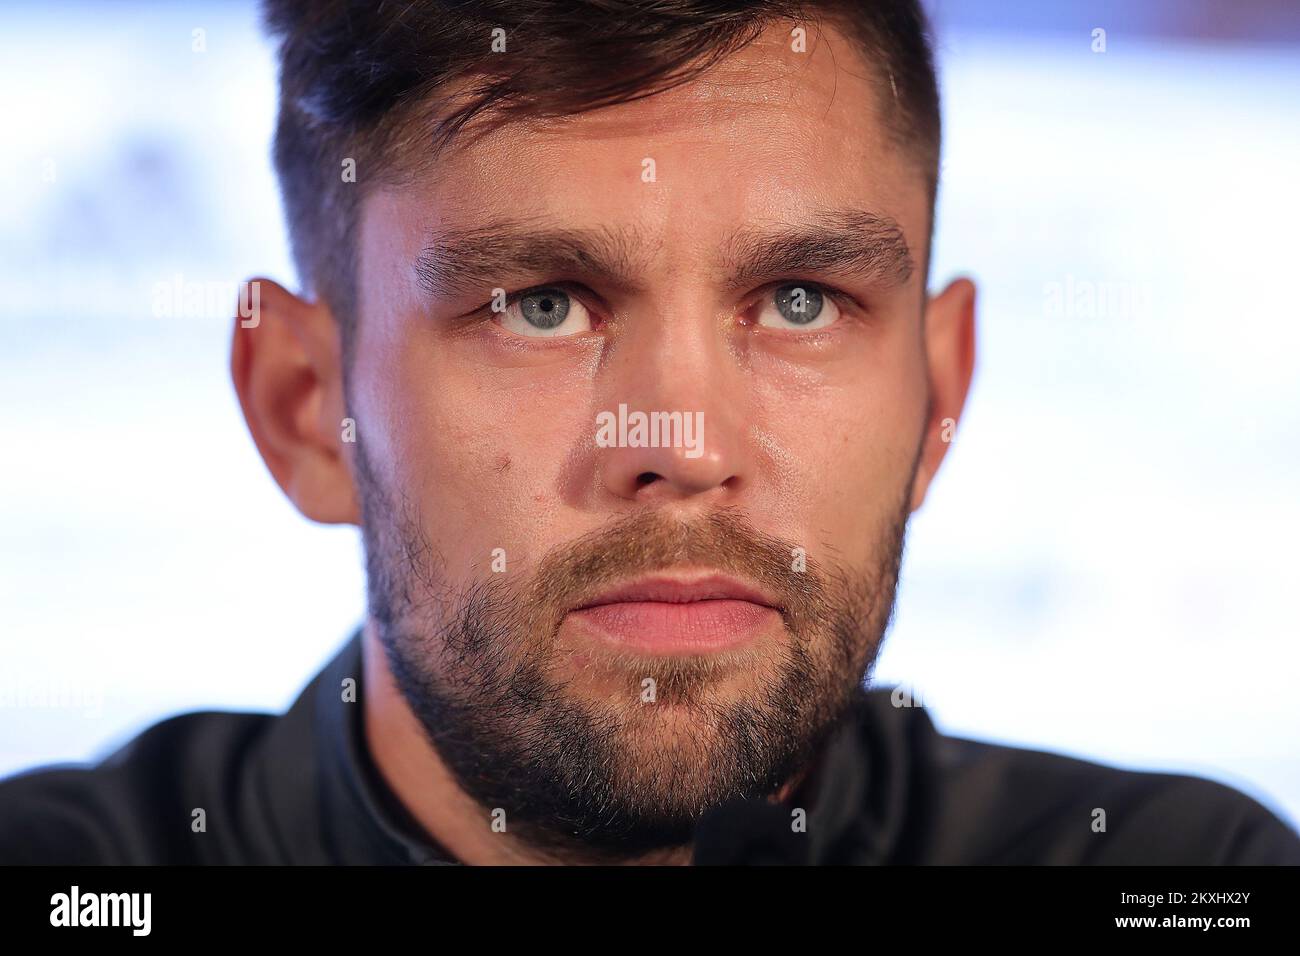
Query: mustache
{"points": [[651, 541]]}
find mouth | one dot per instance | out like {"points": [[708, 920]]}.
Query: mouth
{"points": [[673, 614]]}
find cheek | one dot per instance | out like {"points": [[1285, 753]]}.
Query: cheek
{"points": [[844, 437], [480, 451]]}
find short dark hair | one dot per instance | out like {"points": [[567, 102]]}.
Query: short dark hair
{"points": [[360, 80]]}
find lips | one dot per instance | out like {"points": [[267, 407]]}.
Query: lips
{"points": [[666, 590], [665, 614]]}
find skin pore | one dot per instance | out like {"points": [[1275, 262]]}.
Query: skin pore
{"points": [[476, 438]]}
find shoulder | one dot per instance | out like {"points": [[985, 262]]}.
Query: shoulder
{"points": [[137, 805], [994, 803]]}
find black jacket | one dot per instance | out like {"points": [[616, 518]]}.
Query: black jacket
{"points": [[300, 788]]}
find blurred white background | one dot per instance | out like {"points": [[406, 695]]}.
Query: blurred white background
{"points": [[1105, 566]]}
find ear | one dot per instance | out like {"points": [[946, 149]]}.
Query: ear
{"points": [[950, 358], [285, 361]]}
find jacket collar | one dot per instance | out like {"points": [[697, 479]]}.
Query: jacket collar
{"points": [[330, 804]]}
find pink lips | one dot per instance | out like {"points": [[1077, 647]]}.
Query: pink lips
{"points": [[665, 614]]}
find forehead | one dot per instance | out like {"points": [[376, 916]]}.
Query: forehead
{"points": [[771, 132]]}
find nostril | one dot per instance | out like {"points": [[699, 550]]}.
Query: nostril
{"points": [[646, 478]]}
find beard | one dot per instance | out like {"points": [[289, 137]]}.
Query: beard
{"points": [[629, 768]]}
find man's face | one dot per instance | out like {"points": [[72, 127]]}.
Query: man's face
{"points": [[665, 244]]}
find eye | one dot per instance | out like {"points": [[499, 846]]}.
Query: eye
{"points": [[798, 305], [545, 312]]}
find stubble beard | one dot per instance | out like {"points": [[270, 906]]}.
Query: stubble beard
{"points": [[612, 776]]}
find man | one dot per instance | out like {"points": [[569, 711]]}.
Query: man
{"points": [[616, 345]]}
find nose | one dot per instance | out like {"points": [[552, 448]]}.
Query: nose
{"points": [[671, 427], [644, 472]]}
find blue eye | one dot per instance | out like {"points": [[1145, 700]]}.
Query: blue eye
{"points": [[799, 305], [545, 312], [545, 308]]}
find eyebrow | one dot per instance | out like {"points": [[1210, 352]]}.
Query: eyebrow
{"points": [[841, 242], [850, 242], [474, 260]]}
